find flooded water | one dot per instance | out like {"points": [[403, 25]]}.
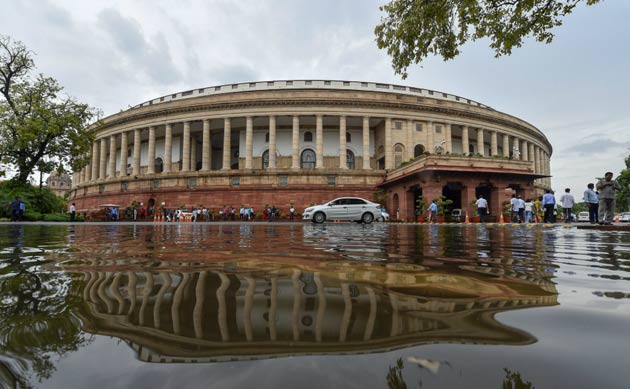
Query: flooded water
{"points": [[313, 306]]}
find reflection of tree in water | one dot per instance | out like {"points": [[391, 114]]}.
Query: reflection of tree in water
{"points": [[36, 321], [513, 380], [395, 379]]}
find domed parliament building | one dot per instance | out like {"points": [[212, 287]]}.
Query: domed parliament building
{"points": [[304, 142]]}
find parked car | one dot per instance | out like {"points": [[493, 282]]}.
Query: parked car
{"points": [[344, 208], [582, 217], [624, 217], [384, 216]]}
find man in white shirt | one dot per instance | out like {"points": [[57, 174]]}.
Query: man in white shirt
{"points": [[482, 208], [514, 207], [567, 201], [73, 212]]}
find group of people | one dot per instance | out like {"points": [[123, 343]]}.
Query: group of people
{"points": [[600, 203], [225, 213]]}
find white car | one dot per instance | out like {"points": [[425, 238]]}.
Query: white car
{"points": [[624, 217], [384, 216], [344, 208], [583, 217]]}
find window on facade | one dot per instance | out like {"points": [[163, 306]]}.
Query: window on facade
{"points": [[265, 159], [159, 165], [331, 180], [308, 136], [307, 159], [419, 127], [397, 125], [283, 180], [348, 137], [418, 150], [267, 138], [399, 151], [350, 159], [438, 129]]}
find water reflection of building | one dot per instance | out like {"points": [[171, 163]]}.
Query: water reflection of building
{"points": [[248, 313]]}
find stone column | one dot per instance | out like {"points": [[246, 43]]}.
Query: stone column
{"points": [[227, 147], [536, 160], [193, 154], [366, 143], [124, 145], [319, 141], [168, 152], [103, 159], [205, 146], [343, 163], [295, 144], [112, 157], [272, 142], [465, 141], [410, 144], [530, 153], [506, 145], [151, 158], [186, 147], [524, 151], [389, 157], [448, 137], [136, 152], [249, 141], [480, 144], [430, 137], [88, 172], [494, 148], [95, 159]]}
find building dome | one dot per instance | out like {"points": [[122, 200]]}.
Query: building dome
{"points": [[303, 142], [59, 183]]}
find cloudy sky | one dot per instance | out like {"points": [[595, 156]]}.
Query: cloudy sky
{"points": [[115, 54]]}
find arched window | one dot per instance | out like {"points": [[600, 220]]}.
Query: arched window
{"points": [[350, 159], [308, 136], [307, 159], [418, 150], [267, 138], [348, 137], [399, 151], [265, 159]]}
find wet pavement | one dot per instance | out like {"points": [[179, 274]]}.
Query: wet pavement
{"points": [[272, 305]]}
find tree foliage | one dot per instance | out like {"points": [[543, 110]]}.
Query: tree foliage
{"points": [[412, 30], [37, 121], [623, 196]]}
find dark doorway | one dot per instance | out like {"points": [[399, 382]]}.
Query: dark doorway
{"points": [[485, 190], [381, 163], [151, 204], [453, 191]]}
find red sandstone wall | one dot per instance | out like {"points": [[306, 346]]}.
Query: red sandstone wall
{"points": [[257, 198]]}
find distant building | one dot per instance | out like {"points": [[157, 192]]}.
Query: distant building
{"points": [[308, 141], [59, 184]]}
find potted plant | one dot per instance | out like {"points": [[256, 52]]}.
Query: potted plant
{"points": [[420, 204], [444, 205]]}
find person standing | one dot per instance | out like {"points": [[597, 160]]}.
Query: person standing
{"points": [[592, 202], [482, 208], [607, 188], [521, 209], [15, 209], [514, 206], [529, 210], [73, 212], [548, 203], [291, 212], [433, 209], [567, 201], [22, 210]]}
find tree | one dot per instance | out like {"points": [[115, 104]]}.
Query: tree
{"points": [[414, 29], [38, 122], [623, 196]]}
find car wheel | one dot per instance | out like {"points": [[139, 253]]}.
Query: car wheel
{"points": [[367, 218], [319, 217]]}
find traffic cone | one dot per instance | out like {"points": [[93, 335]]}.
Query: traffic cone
{"points": [[467, 221], [501, 218]]}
